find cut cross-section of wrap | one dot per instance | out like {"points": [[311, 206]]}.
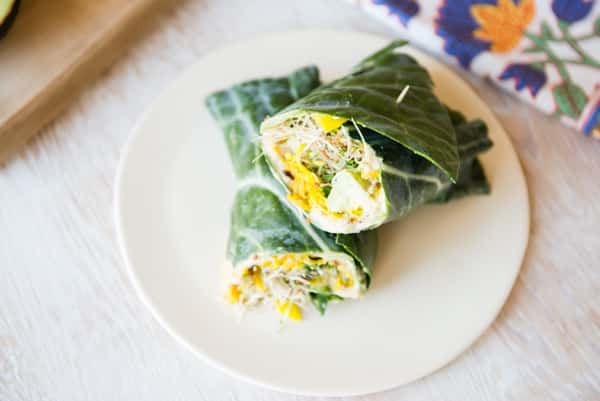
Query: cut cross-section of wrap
{"points": [[277, 257], [370, 147]]}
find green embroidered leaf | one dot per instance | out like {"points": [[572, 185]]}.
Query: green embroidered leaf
{"points": [[533, 49], [597, 26], [261, 218], [563, 24], [546, 31], [419, 122], [570, 99], [537, 66]]}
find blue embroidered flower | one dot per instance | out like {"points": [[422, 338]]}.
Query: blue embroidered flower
{"points": [[572, 10], [456, 25], [403, 9], [525, 76], [592, 121]]}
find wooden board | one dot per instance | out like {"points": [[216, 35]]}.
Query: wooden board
{"points": [[53, 49]]}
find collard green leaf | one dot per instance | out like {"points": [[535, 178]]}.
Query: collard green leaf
{"points": [[261, 218], [369, 96], [472, 139], [261, 221], [240, 110], [410, 180], [362, 246]]}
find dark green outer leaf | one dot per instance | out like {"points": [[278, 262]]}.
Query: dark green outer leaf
{"points": [[368, 95], [261, 219], [410, 181], [240, 109], [472, 139]]}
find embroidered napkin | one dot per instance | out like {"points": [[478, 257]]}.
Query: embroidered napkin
{"points": [[547, 52]]}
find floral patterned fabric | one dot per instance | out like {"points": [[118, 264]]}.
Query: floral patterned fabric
{"points": [[545, 51]]}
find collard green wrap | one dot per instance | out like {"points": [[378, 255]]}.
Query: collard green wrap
{"points": [[409, 180], [429, 152], [262, 221]]}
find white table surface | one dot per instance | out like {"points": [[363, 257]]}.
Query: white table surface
{"points": [[71, 327]]}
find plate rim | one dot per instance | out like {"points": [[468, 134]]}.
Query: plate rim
{"points": [[135, 280]]}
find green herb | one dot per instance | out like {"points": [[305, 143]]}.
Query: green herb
{"points": [[320, 302], [351, 163], [327, 177]]}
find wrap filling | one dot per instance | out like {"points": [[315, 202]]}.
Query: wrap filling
{"points": [[329, 170], [289, 281]]}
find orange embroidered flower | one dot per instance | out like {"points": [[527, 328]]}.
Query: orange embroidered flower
{"points": [[503, 24]]}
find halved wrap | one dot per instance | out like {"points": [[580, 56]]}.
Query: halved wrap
{"points": [[370, 147], [277, 257]]}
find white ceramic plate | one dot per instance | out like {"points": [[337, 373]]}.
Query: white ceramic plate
{"points": [[442, 275]]}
